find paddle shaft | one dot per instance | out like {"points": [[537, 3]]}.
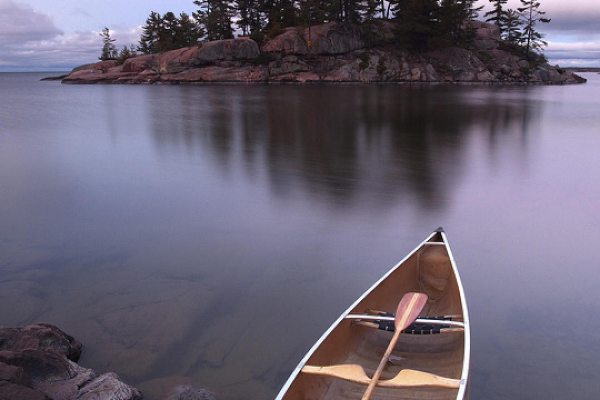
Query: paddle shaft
{"points": [[408, 310]]}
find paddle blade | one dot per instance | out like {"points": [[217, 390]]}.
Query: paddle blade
{"points": [[409, 309]]}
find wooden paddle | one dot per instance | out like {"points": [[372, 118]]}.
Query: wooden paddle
{"points": [[408, 310]]}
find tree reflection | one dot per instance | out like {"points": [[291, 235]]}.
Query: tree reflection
{"points": [[339, 143]]}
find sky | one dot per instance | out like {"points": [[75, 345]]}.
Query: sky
{"points": [[42, 35]]}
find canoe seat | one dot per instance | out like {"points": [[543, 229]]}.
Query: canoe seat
{"points": [[407, 378]]}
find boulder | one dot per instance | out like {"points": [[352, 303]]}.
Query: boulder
{"points": [[329, 39], [141, 63], [107, 386], [188, 392], [228, 50], [292, 41], [14, 374], [40, 337], [38, 364], [332, 38], [11, 391], [35, 364], [487, 36]]}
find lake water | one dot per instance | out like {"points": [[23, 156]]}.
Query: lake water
{"points": [[210, 234]]}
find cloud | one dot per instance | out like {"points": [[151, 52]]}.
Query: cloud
{"points": [[30, 40], [581, 54], [21, 24], [577, 19]]}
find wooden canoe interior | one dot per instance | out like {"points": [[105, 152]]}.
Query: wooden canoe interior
{"points": [[428, 270]]}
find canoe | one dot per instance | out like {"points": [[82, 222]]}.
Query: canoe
{"points": [[430, 358]]}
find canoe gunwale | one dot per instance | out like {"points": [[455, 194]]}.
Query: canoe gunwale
{"points": [[464, 379]]}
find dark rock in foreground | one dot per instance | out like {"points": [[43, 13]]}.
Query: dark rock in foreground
{"points": [[38, 362], [338, 53]]}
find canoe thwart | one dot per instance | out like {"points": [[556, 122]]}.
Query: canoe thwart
{"points": [[407, 378], [413, 329], [422, 321]]}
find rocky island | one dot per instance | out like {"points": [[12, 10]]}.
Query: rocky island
{"points": [[337, 53]]}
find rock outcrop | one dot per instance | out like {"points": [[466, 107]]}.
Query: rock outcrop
{"points": [[337, 53], [39, 362]]}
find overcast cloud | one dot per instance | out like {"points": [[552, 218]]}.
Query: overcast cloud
{"points": [[30, 38]]}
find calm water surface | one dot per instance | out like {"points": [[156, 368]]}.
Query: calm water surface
{"points": [[210, 234]]}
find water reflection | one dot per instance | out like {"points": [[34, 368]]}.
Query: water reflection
{"points": [[340, 144]]}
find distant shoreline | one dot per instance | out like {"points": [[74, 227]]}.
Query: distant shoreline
{"points": [[584, 69]]}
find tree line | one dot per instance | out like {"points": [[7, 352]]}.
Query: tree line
{"points": [[420, 24]]}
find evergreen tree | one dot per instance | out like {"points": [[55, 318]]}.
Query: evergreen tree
{"points": [[371, 9], [471, 12], [256, 18], [152, 32], [126, 53], [281, 14], [398, 7], [512, 24], [109, 50], [168, 35], [417, 23], [188, 31], [215, 16], [314, 12], [531, 15], [244, 22], [497, 14], [451, 15], [350, 11]]}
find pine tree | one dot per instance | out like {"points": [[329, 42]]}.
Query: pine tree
{"points": [[244, 22], [398, 7], [313, 12], [371, 9], [188, 31], [417, 23], [281, 14], [471, 12], [450, 16], [168, 35], [531, 15], [109, 50], [126, 53], [151, 34], [215, 16], [512, 24], [497, 14]]}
